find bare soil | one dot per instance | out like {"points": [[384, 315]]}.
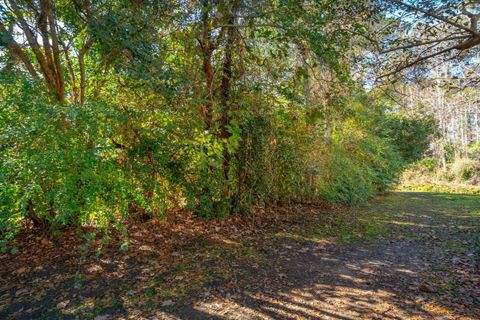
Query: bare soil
{"points": [[401, 256]]}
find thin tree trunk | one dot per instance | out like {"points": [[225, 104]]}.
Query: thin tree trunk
{"points": [[206, 45], [60, 80], [81, 64], [226, 87], [32, 41], [15, 49]]}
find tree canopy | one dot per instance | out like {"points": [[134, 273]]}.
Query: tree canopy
{"points": [[113, 111]]}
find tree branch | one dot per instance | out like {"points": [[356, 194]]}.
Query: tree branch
{"points": [[408, 65], [56, 52], [31, 38], [436, 16], [81, 64], [418, 44], [15, 49], [43, 26]]}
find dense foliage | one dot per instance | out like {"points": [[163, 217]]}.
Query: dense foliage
{"points": [[127, 111]]}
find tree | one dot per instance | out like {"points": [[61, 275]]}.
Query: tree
{"points": [[54, 33], [417, 32], [116, 110]]}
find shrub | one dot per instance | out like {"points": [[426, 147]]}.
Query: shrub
{"points": [[356, 165], [57, 168], [465, 169], [411, 135], [124, 158], [473, 151], [426, 165]]}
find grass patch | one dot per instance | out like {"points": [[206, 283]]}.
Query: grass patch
{"points": [[251, 253], [350, 230], [440, 187], [408, 214]]}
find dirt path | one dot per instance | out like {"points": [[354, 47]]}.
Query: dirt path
{"points": [[403, 256], [427, 267]]}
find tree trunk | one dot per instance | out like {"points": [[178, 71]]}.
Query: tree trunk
{"points": [[226, 87], [206, 44]]}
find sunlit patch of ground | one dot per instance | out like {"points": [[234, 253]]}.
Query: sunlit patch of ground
{"points": [[401, 256], [440, 187]]}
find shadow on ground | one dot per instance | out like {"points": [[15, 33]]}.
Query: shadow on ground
{"points": [[425, 265]]}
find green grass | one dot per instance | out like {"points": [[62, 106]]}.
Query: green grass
{"points": [[251, 253], [409, 215], [440, 187], [350, 228]]}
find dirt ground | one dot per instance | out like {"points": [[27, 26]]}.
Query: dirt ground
{"points": [[401, 256]]}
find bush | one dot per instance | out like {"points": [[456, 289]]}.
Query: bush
{"points": [[473, 151], [354, 170], [100, 164], [411, 135], [426, 165], [465, 169], [57, 168]]}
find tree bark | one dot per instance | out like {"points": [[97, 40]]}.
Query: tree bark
{"points": [[32, 41], [207, 48], [16, 50], [81, 64], [226, 87], [59, 80]]}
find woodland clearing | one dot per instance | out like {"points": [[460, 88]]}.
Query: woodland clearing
{"points": [[401, 256]]}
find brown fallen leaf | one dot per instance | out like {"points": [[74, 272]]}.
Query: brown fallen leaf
{"points": [[63, 304], [46, 242], [425, 287], [167, 303], [20, 271]]}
